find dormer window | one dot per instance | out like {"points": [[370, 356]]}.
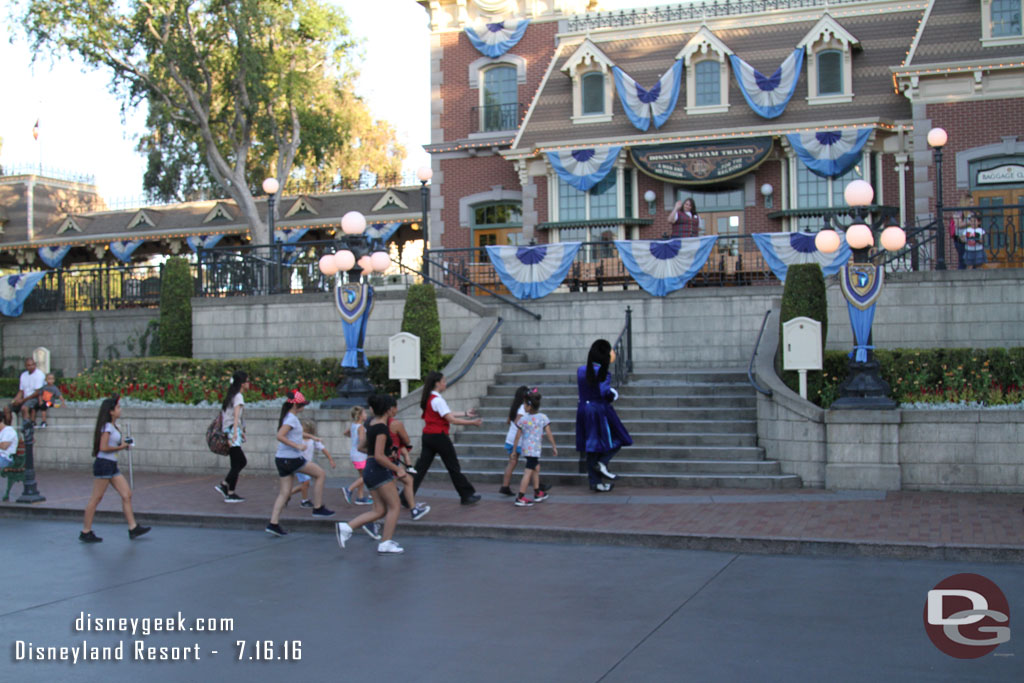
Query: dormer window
{"points": [[1001, 22], [707, 79], [829, 62], [589, 68]]}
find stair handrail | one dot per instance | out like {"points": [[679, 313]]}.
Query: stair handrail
{"points": [[750, 368], [440, 267], [623, 348]]}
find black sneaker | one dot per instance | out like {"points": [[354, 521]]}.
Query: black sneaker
{"points": [[471, 499], [545, 487], [89, 537], [506, 491], [139, 530], [276, 530], [233, 498], [219, 488], [322, 511], [306, 504]]}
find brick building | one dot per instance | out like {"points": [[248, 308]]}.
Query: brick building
{"points": [[873, 75]]}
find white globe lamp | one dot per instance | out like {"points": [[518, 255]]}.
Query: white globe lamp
{"points": [[365, 263], [858, 193], [271, 186], [353, 223], [858, 236], [827, 241], [344, 260], [893, 238], [937, 137], [424, 173], [328, 266], [380, 260]]}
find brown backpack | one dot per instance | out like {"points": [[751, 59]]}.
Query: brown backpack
{"points": [[216, 439]]}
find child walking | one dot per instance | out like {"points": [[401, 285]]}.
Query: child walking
{"points": [[379, 476], [313, 445], [531, 427], [357, 433]]}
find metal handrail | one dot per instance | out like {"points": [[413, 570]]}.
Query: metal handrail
{"points": [[623, 348], [757, 344], [465, 279]]}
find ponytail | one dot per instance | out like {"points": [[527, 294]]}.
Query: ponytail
{"points": [[429, 382]]}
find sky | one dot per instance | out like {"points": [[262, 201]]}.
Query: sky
{"points": [[83, 129]]}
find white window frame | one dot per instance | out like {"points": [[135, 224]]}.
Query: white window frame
{"points": [[620, 197], [987, 39], [588, 59], [704, 46], [826, 35]]}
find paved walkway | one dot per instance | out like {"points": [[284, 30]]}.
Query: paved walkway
{"points": [[951, 526]]}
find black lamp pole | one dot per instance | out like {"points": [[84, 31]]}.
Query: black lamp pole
{"points": [[29, 492], [425, 201], [940, 234]]}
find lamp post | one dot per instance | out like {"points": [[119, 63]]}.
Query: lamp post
{"points": [[937, 140], [354, 254], [29, 490], [270, 187], [649, 197], [766, 192], [861, 282], [424, 174]]}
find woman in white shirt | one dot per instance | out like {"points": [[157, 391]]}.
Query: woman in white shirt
{"points": [[8, 439], [234, 427]]}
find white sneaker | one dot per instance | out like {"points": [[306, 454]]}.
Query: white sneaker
{"points": [[344, 532], [604, 471], [389, 547]]}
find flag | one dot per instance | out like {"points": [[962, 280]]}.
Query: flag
{"points": [[35, 130]]}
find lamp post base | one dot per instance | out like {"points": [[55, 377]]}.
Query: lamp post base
{"points": [[864, 389], [355, 390]]}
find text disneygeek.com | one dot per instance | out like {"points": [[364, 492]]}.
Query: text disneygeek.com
{"points": [[138, 648]]}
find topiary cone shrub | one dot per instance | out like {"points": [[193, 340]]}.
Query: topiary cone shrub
{"points": [[804, 296], [420, 318], [176, 290]]}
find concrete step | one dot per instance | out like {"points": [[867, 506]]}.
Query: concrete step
{"points": [[512, 357], [630, 466], [438, 477], [630, 391], [640, 451], [495, 399], [631, 413], [567, 425], [650, 439]]}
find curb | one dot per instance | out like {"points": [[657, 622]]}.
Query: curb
{"points": [[813, 547]]}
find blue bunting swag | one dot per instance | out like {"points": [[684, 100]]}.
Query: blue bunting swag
{"points": [[382, 231], [53, 255], [123, 249], [784, 249], [657, 103], [862, 285], [663, 266], [289, 253], [203, 242], [533, 272], [768, 95], [584, 168], [495, 39], [355, 303], [829, 153], [14, 289]]}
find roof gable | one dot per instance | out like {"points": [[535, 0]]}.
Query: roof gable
{"points": [[140, 218], [587, 54], [389, 199], [69, 224], [703, 41], [217, 213], [826, 29], [301, 205]]}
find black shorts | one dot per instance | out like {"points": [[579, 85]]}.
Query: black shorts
{"points": [[104, 469], [532, 463], [286, 467], [375, 476]]}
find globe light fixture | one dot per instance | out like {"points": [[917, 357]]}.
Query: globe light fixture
{"points": [[424, 174], [344, 260], [649, 197], [380, 260], [893, 238], [353, 223], [364, 263], [858, 193], [766, 192], [327, 265], [271, 186], [859, 236], [937, 137], [827, 241]]}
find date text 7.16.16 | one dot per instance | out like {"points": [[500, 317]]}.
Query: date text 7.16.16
{"points": [[268, 650]]}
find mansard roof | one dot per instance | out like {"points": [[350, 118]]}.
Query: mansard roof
{"points": [[645, 53], [950, 32]]}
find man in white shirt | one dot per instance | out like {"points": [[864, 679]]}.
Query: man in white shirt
{"points": [[32, 381]]}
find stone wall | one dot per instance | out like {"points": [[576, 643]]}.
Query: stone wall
{"points": [[77, 339]]}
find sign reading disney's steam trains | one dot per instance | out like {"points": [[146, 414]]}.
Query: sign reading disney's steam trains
{"points": [[701, 162]]}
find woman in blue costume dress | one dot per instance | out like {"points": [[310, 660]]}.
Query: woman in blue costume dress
{"points": [[599, 432]]}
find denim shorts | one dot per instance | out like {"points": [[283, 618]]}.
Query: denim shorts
{"points": [[375, 476], [508, 450], [531, 463], [104, 469], [302, 478], [288, 466]]}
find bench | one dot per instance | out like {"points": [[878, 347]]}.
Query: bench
{"points": [[15, 471]]}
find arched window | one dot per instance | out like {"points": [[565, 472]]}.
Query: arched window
{"points": [[593, 93], [830, 72], [499, 97], [709, 80]]}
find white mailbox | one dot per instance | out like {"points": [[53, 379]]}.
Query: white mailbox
{"points": [[404, 359], [801, 348]]}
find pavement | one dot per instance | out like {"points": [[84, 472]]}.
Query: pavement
{"points": [[982, 527]]}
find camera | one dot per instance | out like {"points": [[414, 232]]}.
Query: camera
{"points": [[129, 440]]}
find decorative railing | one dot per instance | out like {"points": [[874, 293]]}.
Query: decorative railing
{"points": [[623, 347], [262, 270], [96, 288], [492, 118], [697, 11], [1003, 239], [48, 172]]}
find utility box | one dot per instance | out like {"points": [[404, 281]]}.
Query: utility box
{"points": [[41, 355], [801, 348], [404, 359]]}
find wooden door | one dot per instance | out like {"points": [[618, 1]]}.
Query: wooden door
{"points": [[1004, 239]]}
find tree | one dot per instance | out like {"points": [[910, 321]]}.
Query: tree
{"points": [[804, 295], [420, 318], [176, 289], [230, 80]]}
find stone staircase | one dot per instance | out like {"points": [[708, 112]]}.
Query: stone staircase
{"points": [[690, 428]]}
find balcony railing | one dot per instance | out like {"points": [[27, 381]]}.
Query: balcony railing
{"points": [[493, 118], [99, 288]]}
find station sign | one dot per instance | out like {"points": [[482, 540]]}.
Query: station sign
{"points": [[702, 162]]}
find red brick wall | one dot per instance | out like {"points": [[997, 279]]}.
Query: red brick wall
{"points": [[464, 177], [541, 205]]}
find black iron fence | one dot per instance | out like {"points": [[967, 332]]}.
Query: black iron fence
{"points": [[1003, 239], [96, 288], [496, 117]]}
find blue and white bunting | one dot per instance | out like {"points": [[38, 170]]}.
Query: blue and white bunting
{"points": [[829, 153], [584, 168], [657, 103], [289, 253], [123, 249], [495, 39], [14, 289], [533, 272], [382, 231], [663, 266], [54, 255], [784, 249], [198, 242], [769, 95]]}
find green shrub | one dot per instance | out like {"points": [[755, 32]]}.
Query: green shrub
{"points": [[987, 376], [176, 289], [8, 388], [804, 295], [420, 318]]}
